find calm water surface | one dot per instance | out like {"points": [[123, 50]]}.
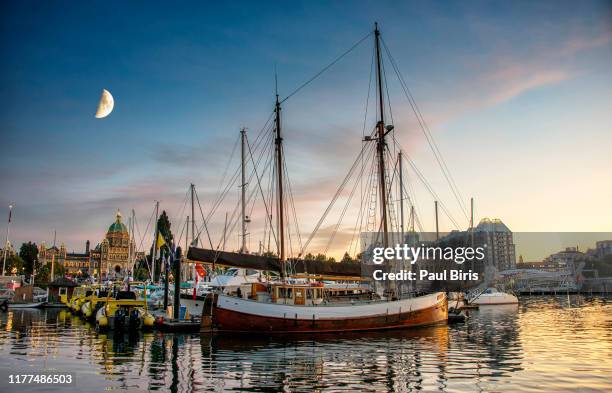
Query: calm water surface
{"points": [[546, 344]]}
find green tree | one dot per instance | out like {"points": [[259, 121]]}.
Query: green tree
{"points": [[141, 274], [29, 255], [270, 254], [309, 257], [43, 274], [163, 225], [14, 264], [346, 258]]}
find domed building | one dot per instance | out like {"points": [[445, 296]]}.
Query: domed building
{"points": [[116, 254]]}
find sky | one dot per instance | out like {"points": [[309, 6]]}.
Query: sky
{"points": [[516, 95]]}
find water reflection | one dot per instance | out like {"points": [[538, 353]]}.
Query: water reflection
{"points": [[498, 349]]}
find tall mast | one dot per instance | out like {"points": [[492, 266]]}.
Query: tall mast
{"points": [[401, 184], [243, 188], [381, 144], [279, 170], [184, 256], [6, 243], [472, 227], [129, 261], [155, 236], [192, 216], [133, 242], [186, 235]]}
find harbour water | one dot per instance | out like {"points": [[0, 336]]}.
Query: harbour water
{"points": [[544, 344]]}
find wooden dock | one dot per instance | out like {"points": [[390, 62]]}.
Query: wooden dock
{"points": [[173, 325]]}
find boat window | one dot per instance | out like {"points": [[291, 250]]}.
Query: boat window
{"points": [[309, 293], [289, 293]]}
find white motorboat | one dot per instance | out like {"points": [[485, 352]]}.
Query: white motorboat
{"points": [[25, 305], [492, 296], [8, 296], [228, 283]]}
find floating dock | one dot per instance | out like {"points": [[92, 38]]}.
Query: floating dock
{"points": [[173, 325]]}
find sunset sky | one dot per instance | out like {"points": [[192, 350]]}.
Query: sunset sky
{"points": [[517, 96]]}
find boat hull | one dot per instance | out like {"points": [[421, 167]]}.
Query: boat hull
{"points": [[230, 314], [496, 299], [26, 305]]}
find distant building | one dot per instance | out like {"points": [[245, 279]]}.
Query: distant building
{"points": [[46, 255], [112, 256], [10, 251], [537, 265], [74, 263], [603, 248], [568, 257], [496, 239], [498, 242]]}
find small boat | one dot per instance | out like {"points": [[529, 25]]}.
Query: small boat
{"points": [[11, 301], [93, 303], [39, 295], [229, 283], [124, 313], [154, 295], [456, 316], [491, 296], [25, 305], [78, 297]]}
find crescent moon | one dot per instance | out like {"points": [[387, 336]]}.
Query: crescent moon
{"points": [[106, 104]]}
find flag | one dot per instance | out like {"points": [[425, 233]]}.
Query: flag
{"points": [[200, 270], [160, 241], [10, 213]]}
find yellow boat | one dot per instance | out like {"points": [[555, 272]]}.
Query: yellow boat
{"points": [[78, 296], [93, 303], [124, 312]]}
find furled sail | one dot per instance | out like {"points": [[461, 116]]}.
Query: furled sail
{"points": [[260, 262]]}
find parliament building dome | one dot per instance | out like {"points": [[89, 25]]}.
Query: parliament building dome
{"points": [[117, 226]]}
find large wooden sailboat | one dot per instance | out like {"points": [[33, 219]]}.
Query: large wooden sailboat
{"points": [[308, 305]]}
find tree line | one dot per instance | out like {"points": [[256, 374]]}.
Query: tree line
{"points": [[26, 263]]}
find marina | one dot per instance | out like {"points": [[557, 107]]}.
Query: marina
{"points": [[507, 348], [306, 197]]}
